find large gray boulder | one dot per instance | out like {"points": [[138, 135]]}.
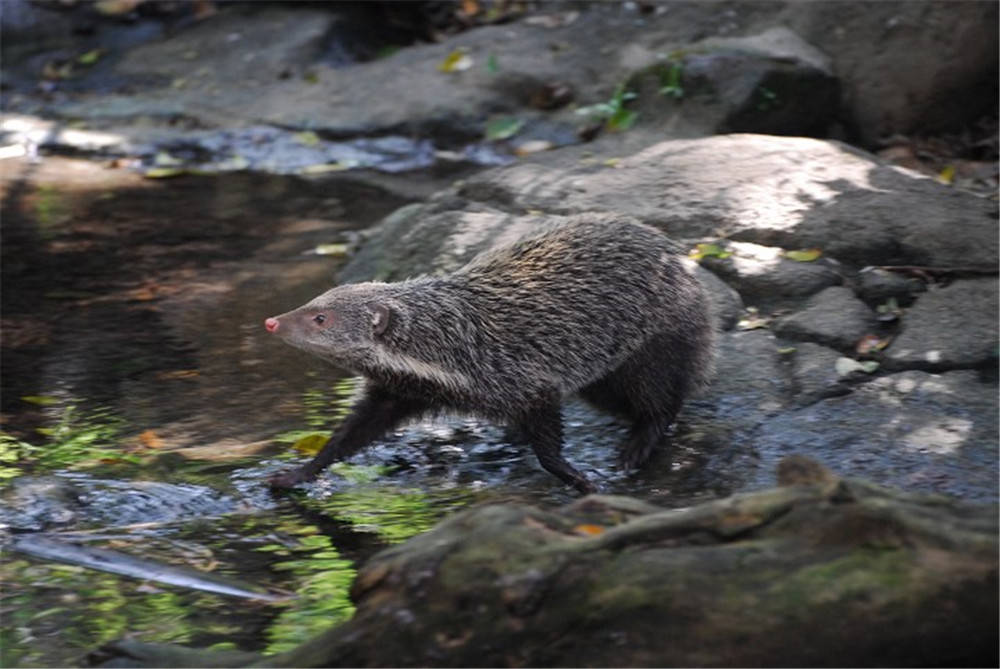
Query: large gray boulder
{"points": [[790, 192]]}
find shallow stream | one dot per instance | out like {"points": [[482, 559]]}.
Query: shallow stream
{"points": [[144, 406]]}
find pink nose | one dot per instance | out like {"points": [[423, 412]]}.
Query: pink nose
{"points": [[272, 324]]}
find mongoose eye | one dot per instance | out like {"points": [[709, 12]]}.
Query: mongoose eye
{"points": [[319, 319]]}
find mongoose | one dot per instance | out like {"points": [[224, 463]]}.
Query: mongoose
{"points": [[599, 306]]}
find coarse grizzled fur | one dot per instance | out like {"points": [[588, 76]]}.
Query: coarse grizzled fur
{"points": [[599, 306]]}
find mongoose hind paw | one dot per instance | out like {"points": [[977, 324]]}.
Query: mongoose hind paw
{"points": [[631, 462]]}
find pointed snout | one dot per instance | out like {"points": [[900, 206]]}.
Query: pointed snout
{"points": [[272, 325]]}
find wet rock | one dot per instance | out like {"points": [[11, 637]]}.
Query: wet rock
{"points": [[762, 272], [876, 286], [833, 317], [748, 383], [40, 502], [914, 430], [726, 302], [23, 19], [948, 328], [813, 375]]}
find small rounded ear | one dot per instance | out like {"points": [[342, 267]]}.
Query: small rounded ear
{"points": [[380, 318]]}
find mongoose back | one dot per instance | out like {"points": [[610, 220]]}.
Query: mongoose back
{"points": [[599, 306]]}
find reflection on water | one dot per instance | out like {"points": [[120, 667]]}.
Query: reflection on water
{"points": [[55, 613], [145, 299], [131, 320]]}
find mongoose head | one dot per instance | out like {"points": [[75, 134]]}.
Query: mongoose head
{"points": [[343, 325]]}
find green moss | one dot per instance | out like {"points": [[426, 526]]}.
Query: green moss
{"points": [[857, 574]]}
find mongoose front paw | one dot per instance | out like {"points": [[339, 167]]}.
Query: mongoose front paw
{"points": [[289, 479], [587, 487]]}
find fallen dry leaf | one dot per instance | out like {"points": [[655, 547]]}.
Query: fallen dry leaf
{"points": [[150, 440], [589, 530]]}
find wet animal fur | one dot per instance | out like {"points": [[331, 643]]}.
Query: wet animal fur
{"points": [[599, 307]]}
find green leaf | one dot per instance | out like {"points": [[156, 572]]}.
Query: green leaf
{"points": [[947, 175], [804, 255], [40, 400], [600, 110], [623, 119], [307, 138], [232, 163], [613, 112], [672, 82], [708, 251], [491, 64], [621, 95], [323, 168], [503, 127], [164, 172], [456, 61], [90, 57], [164, 159]]}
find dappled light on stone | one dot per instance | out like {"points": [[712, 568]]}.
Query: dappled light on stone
{"points": [[35, 131], [945, 437], [750, 259]]}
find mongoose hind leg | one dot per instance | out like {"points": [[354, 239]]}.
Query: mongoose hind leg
{"points": [[644, 437], [542, 428], [377, 412], [648, 389]]}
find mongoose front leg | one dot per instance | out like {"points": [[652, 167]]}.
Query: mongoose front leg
{"points": [[542, 428], [375, 414]]}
